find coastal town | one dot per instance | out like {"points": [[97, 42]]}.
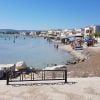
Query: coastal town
{"points": [[82, 69], [49, 50], [76, 41]]}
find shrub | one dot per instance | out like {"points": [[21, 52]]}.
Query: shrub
{"points": [[97, 34]]}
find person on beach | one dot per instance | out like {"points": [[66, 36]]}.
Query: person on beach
{"points": [[56, 46]]}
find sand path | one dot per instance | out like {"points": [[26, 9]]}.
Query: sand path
{"points": [[82, 89]]}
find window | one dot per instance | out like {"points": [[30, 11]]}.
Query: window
{"points": [[87, 31]]}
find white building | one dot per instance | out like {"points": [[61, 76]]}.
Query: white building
{"points": [[90, 30], [22, 33], [44, 33], [79, 30], [50, 32], [96, 28], [63, 35], [70, 32], [32, 33], [54, 32]]}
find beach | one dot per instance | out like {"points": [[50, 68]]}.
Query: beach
{"points": [[89, 67], [84, 63], [50, 50], [77, 54], [75, 89]]}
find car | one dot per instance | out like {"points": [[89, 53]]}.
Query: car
{"points": [[90, 41], [78, 47]]}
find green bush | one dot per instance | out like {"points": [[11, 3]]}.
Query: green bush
{"points": [[97, 34]]}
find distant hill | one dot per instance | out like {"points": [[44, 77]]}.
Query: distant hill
{"points": [[12, 30], [26, 30], [8, 30]]}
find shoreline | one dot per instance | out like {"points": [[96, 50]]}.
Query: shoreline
{"points": [[77, 56], [77, 66], [75, 53], [86, 64], [88, 68]]}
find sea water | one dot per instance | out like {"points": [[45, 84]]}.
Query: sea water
{"points": [[35, 52]]}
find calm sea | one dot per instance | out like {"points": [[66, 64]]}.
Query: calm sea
{"points": [[36, 52]]}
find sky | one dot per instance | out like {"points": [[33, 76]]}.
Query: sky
{"points": [[48, 14]]}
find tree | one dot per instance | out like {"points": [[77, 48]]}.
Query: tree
{"points": [[38, 32], [97, 34]]}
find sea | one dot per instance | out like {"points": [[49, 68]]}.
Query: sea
{"points": [[36, 52]]}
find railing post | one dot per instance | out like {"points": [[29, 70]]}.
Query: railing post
{"points": [[44, 74], [22, 75], [65, 76], [7, 77], [31, 75]]}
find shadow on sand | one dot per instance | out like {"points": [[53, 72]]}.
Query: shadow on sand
{"points": [[41, 84]]}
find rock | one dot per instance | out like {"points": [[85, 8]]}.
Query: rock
{"points": [[21, 65], [6, 67], [73, 61], [82, 60]]}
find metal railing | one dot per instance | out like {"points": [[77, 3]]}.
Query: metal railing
{"points": [[36, 75]]}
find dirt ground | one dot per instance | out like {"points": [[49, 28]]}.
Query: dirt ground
{"points": [[88, 68]]}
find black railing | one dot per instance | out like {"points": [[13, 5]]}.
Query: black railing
{"points": [[36, 75]]}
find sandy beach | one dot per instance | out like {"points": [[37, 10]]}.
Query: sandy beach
{"points": [[87, 65], [75, 53], [76, 89], [90, 67]]}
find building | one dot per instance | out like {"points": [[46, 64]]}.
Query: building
{"points": [[90, 30], [32, 33], [64, 33], [22, 33], [55, 32], [43, 33], [79, 30], [96, 28]]}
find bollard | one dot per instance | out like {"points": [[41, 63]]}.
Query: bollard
{"points": [[7, 77], [65, 76]]}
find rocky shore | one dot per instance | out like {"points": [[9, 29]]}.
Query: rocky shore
{"points": [[89, 67], [78, 56], [85, 63]]}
